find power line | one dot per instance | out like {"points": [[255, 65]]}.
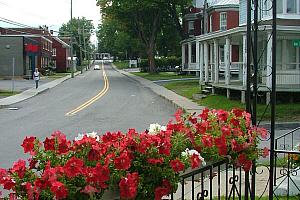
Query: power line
{"points": [[8, 21]]}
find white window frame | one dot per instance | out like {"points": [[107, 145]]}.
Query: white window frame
{"points": [[210, 23], [223, 21], [191, 26], [296, 7], [54, 52]]}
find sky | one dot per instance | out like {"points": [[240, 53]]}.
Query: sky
{"points": [[52, 13]]}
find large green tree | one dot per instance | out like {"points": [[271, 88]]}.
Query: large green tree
{"points": [[146, 18], [81, 30]]}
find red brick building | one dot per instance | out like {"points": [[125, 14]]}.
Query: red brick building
{"points": [[43, 38], [61, 52]]}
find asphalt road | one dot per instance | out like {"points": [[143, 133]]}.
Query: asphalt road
{"points": [[125, 105]]}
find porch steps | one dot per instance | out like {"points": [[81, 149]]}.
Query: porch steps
{"points": [[207, 88]]}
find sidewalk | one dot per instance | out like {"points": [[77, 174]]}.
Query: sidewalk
{"points": [[177, 100], [28, 93]]}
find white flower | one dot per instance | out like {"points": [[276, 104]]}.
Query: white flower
{"points": [[156, 128], [188, 152], [79, 137], [91, 135]]}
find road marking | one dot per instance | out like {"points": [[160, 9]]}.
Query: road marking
{"points": [[93, 99]]}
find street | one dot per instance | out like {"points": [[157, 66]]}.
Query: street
{"points": [[125, 105]]}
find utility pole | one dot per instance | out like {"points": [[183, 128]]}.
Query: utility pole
{"points": [[72, 67], [85, 51], [80, 50]]}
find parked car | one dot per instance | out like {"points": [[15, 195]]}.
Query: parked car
{"points": [[96, 67]]}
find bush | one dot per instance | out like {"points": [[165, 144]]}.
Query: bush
{"points": [[164, 64]]}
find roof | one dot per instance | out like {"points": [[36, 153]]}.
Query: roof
{"points": [[62, 42], [224, 3]]}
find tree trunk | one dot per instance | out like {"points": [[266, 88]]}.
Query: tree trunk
{"points": [[151, 59]]}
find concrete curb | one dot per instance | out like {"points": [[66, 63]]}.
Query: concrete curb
{"points": [[6, 102], [175, 99]]}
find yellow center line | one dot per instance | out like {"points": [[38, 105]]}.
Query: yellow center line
{"points": [[93, 99]]}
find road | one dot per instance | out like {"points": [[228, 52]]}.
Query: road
{"points": [[125, 105]]}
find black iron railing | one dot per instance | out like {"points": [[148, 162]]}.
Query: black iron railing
{"points": [[287, 166]]}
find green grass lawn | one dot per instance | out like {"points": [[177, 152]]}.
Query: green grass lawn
{"points": [[284, 112], [7, 93], [57, 75], [122, 64], [161, 76]]}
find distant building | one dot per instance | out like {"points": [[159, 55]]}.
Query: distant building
{"points": [[24, 50], [60, 54], [42, 36]]}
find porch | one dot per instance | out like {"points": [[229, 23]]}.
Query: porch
{"points": [[220, 58]]}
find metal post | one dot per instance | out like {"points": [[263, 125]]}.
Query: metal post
{"points": [[273, 100], [80, 50], [13, 75], [248, 82], [84, 46], [72, 65]]}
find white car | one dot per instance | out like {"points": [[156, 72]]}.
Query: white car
{"points": [[96, 67]]}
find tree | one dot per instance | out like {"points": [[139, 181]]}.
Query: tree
{"points": [[145, 18], [76, 28], [117, 40]]}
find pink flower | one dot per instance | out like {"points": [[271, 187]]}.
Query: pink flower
{"points": [[89, 190], [265, 152]]}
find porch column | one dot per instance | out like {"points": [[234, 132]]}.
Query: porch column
{"points": [[201, 62], [211, 59], [269, 62], [183, 54], [227, 61], [216, 60], [197, 57], [244, 69], [284, 56], [206, 61], [190, 53]]}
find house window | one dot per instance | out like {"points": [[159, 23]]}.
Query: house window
{"points": [[223, 21], [279, 6], [210, 23], [191, 26], [291, 6], [54, 51], [222, 54], [193, 53]]}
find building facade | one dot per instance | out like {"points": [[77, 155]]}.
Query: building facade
{"points": [[60, 54], [18, 56], [221, 50]]}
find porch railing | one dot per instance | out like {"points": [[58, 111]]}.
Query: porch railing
{"points": [[287, 164]]}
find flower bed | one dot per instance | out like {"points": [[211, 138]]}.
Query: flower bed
{"points": [[143, 165]]}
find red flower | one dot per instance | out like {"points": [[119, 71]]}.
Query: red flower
{"points": [[19, 167], [222, 115], [73, 167], [49, 144], [89, 190], [123, 161], [204, 114], [225, 131], [128, 186], [235, 146], [8, 183], [195, 161], [102, 174], [59, 190], [32, 163], [265, 152], [163, 190], [235, 122], [28, 145], [238, 112], [220, 142], [178, 115], [177, 165], [155, 161], [244, 162], [207, 141]]}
